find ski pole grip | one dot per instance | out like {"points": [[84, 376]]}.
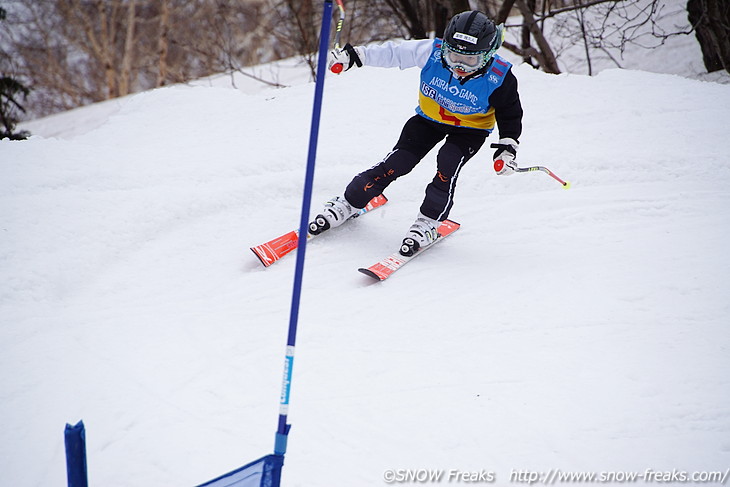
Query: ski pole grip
{"points": [[336, 68], [498, 165]]}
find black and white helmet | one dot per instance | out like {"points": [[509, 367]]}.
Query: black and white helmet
{"points": [[470, 41]]}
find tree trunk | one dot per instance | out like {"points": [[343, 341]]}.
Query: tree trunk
{"points": [[163, 43], [105, 55], [128, 54], [444, 11], [504, 11], [441, 19], [711, 20], [549, 64], [526, 34], [409, 17]]}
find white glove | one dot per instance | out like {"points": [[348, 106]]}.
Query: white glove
{"points": [[343, 59], [504, 156]]}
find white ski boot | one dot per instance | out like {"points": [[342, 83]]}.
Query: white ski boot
{"points": [[422, 233], [336, 212]]}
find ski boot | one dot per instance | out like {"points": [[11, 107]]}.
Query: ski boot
{"points": [[336, 212], [422, 233]]}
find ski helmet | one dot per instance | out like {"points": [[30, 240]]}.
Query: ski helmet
{"points": [[470, 41]]}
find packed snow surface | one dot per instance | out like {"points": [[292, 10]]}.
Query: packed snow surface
{"points": [[580, 330]]}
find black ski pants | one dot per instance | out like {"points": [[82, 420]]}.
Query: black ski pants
{"points": [[418, 137]]}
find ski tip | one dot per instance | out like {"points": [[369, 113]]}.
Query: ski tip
{"points": [[370, 273]]}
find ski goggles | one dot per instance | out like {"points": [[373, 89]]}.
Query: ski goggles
{"points": [[463, 61]]}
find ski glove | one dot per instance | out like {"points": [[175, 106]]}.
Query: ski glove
{"points": [[348, 57], [504, 156]]}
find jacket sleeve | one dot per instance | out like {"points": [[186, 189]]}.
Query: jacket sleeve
{"points": [[406, 54], [507, 107]]}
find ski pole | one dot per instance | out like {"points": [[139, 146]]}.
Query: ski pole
{"points": [[566, 184], [337, 67], [499, 164]]}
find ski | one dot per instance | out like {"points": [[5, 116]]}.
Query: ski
{"points": [[386, 267], [275, 249]]}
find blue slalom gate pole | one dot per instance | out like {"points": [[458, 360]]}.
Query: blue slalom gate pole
{"points": [[283, 429], [75, 441]]}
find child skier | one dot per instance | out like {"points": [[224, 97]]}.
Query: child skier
{"points": [[464, 89]]}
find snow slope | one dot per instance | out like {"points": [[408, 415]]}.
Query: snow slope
{"points": [[581, 330]]}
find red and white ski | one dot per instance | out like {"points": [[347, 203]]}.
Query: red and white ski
{"points": [[275, 249], [386, 267]]}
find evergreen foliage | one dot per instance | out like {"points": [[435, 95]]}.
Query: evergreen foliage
{"points": [[10, 90]]}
